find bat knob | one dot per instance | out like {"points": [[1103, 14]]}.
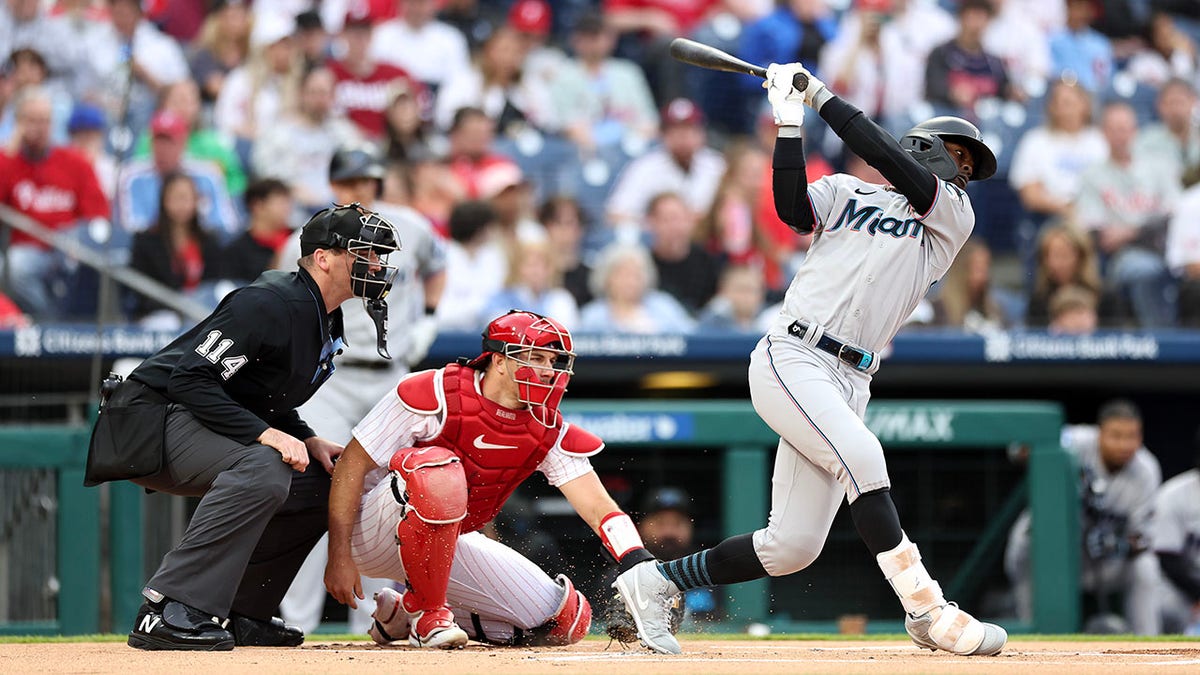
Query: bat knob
{"points": [[800, 82]]}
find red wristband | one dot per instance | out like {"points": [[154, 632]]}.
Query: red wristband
{"points": [[619, 534]]}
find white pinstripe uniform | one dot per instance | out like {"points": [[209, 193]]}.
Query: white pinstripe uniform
{"points": [[872, 260], [487, 578]]}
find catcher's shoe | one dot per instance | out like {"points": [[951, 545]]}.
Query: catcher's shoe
{"points": [[960, 633], [171, 625], [390, 621], [436, 628], [649, 596], [433, 628]]}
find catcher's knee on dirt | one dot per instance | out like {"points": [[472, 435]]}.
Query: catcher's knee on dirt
{"points": [[569, 624]]}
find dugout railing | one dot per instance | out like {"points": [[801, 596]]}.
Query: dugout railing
{"points": [[745, 446]]}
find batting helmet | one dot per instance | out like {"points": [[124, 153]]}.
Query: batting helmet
{"points": [[925, 142], [515, 335], [355, 162]]}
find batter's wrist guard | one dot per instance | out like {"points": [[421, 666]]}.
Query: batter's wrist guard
{"points": [[635, 557]]}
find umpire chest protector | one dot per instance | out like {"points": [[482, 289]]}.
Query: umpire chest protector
{"points": [[499, 447]]}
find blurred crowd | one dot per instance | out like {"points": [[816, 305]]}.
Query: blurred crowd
{"points": [[572, 168]]}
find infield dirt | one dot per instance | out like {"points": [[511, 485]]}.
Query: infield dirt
{"points": [[594, 656]]}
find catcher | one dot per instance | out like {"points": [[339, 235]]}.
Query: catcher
{"points": [[434, 461]]}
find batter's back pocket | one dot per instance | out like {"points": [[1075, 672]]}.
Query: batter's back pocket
{"points": [[128, 442]]}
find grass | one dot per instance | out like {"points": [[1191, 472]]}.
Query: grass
{"points": [[736, 637]]}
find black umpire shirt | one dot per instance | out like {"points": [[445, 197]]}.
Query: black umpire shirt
{"points": [[262, 353]]}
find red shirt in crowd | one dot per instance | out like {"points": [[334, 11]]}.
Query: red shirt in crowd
{"points": [[472, 174], [687, 13], [365, 99], [57, 191]]}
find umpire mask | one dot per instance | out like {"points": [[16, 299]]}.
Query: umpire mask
{"points": [[368, 239]]}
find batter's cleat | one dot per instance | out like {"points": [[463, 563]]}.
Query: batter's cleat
{"points": [[174, 626], [962, 633], [390, 621], [649, 598], [249, 632]]}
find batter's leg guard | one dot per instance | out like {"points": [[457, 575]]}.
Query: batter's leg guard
{"points": [[435, 502], [931, 622], [569, 624]]}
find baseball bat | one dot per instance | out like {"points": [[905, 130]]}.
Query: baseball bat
{"points": [[705, 56]]}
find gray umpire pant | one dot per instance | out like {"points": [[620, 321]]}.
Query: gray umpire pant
{"points": [[256, 521]]}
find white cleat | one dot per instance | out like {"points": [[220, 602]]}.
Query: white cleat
{"points": [[648, 596], [960, 633], [393, 623], [436, 628]]}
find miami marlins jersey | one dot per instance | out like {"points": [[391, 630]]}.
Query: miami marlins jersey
{"points": [[1176, 526], [1128, 493], [873, 258]]}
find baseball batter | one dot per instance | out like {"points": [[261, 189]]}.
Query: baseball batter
{"points": [[355, 175], [876, 251], [1175, 535], [434, 461]]}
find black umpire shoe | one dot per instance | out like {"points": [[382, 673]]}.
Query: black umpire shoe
{"points": [[172, 625], [249, 632]]}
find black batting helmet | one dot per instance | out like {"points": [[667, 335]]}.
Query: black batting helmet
{"points": [[925, 143], [355, 162]]}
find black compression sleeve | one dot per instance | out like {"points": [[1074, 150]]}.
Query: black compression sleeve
{"points": [[789, 184], [875, 518], [1179, 571], [869, 141]]}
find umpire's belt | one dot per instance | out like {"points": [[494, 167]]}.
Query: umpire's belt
{"points": [[814, 335]]}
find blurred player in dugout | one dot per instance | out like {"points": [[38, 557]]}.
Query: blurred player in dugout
{"points": [[1176, 539], [1118, 481]]}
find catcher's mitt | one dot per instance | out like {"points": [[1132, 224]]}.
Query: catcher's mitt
{"points": [[619, 625]]}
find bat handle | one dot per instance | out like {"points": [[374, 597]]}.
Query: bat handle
{"points": [[799, 80]]}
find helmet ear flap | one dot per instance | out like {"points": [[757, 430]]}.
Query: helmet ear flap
{"points": [[929, 150]]}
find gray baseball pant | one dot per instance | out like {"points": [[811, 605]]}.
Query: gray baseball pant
{"points": [[256, 521]]}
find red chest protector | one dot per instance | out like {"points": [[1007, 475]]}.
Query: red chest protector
{"points": [[499, 448]]}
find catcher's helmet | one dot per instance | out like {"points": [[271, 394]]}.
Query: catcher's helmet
{"points": [[355, 162], [515, 335], [925, 143]]}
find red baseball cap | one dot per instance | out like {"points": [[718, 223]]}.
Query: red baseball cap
{"points": [[681, 111], [530, 16], [881, 6], [167, 123]]}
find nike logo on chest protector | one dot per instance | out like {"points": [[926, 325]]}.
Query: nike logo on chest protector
{"points": [[484, 445]]}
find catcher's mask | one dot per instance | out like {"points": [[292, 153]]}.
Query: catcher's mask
{"points": [[517, 335], [926, 143], [368, 239]]}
